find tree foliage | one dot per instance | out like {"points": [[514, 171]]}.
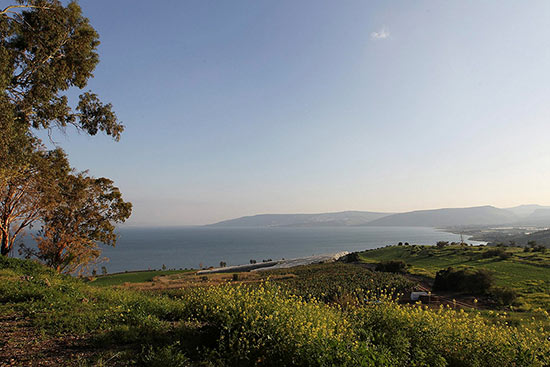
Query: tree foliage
{"points": [[28, 192], [47, 48], [86, 212]]}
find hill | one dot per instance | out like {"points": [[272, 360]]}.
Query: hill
{"points": [[540, 237], [52, 320], [530, 210], [347, 218], [526, 272], [479, 215]]}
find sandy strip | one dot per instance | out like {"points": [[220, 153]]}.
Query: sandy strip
{"points": [[279, 264]]}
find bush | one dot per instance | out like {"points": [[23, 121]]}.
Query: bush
{"points": [[351, 258], [463, 280], [392, 266], [496, 252], [504, 296]]}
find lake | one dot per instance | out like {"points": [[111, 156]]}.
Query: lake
{"points": [[188, 247]]}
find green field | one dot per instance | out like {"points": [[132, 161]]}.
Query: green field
{"points": [[526, 272], [259, 324], [133, 277]]}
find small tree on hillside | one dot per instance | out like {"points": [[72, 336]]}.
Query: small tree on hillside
{"points": [[85, 215]]}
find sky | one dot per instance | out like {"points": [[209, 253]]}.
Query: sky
{"points": [[237, 108]]}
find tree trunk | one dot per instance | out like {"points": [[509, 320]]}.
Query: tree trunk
{"points": [[5, 242]]}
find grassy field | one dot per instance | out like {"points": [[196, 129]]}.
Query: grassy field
{"points": [[526, 272], [133, 277], [54, 320]]}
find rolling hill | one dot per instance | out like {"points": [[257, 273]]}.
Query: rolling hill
{"points": [[523, 215], [348, 218], [479, 215]]}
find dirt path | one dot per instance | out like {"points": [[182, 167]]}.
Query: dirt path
{"points": [[23, 345]]}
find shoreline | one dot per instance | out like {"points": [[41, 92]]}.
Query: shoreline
{"points": [[277, 264]]}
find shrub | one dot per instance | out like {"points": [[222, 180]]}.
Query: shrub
{"points": [[463, 280], [496, 252], [392, 266], [504, 296], [351, 258]]}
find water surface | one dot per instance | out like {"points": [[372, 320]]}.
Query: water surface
{"points": [[189, 247]]}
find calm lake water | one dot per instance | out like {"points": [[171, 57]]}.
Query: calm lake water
{"points": [[187, 247]]}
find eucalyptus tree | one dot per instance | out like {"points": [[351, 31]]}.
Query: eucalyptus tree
{"points": [[46, 50], [85, 215]]}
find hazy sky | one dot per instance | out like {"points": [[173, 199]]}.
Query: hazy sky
{"points": [[243, 107]]}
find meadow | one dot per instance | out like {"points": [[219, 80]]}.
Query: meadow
{"points": [[133, 277], [526, 272], [266, 323]]}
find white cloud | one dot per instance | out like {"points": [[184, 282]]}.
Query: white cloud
{"points": [[382, 34]]}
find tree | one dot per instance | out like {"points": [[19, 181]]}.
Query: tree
{"points": [[85, 214], [45, 49], [223, 264], [27, 190]]}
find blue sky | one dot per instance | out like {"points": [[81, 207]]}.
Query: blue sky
{"points": [[244, 107]]}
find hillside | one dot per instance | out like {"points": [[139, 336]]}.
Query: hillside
{"points": [[480, 215], [540, 237], [347, 218], [52, 320], [527, 210], [526, 272], [534, 215]]}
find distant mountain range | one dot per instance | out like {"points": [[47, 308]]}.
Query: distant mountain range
{"points": [[486, 215], [446, 217], [340, 219]]}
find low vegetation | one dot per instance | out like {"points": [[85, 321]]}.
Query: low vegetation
{"points": [[132, 277], [392, 266], [264, 323], [513, 270], [339, 282]]}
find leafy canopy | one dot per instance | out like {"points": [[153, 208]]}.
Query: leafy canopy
{"points": [[45, 49]]}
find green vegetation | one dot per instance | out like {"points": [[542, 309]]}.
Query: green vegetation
{"points": [[339, 282], [132, 277], [527, 273], [477, 281], [392, 266], [47, 48], [260, 324]]}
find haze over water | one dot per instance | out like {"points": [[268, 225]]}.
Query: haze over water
{"points": [[187, 247]]}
